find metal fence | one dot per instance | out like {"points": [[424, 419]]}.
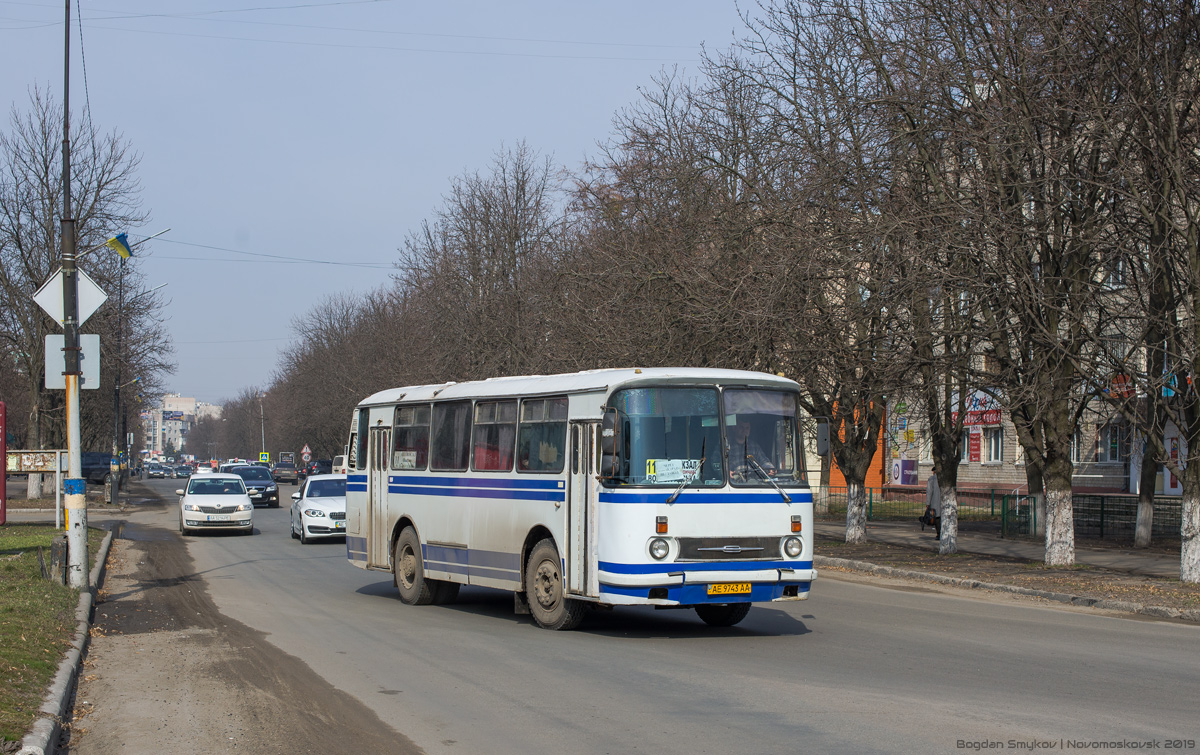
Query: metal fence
{"points": [[1111, 516]]}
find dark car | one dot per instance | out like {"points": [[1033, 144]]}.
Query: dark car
{"points": [[183, 472], [320, 466], [95, 466], [260, 485], [154, 469], [285, 472]]}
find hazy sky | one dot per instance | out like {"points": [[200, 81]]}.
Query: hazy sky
{"points": [[327, 131]]}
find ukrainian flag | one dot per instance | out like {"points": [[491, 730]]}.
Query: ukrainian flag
{"points": [[120, 245]]}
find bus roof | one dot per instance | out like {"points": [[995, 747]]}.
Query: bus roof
{"points": [[575, 382]]}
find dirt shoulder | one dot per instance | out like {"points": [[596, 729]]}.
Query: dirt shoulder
{"points": [[1084, 581], [168, 674]]}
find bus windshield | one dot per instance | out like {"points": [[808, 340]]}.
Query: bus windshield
{"points": [[762, 436], [665, 434]]}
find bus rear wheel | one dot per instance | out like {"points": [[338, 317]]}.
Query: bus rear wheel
{"points": [[548, 604], [723, 615], [408, 570]]}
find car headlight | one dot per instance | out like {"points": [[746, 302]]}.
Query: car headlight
{"points": [[315, 513], [792, 546], [245, 507], [271, 488], [659, 548], [190, 507]]}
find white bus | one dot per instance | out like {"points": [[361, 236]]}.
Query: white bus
{"points": [[678, 488]]}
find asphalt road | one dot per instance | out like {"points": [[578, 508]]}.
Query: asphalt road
{"points": [[857, 668]]}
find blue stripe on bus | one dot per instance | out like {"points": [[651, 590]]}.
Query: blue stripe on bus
{"points": [[694, 566], [526, 483], [356, 478], [356, 548], [690, 595], [525, 495], [692, 496], [356, 488]]}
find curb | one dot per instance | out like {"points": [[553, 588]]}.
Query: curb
{"points": [[43, 737], [1161, 612]]}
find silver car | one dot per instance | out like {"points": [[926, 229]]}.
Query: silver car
{"points": [[319, 508]]}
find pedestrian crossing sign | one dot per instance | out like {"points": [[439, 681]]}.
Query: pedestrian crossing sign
{"points": [[265, 457]]}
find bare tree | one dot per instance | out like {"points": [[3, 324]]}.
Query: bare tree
{"points": [[30, 193]]}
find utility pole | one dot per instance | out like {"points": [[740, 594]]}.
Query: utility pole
{"points": [[115, 468], [262, 419], [76, 492]]}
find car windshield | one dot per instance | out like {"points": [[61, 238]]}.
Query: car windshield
{"points": [[253, 473], [326, 488], [226, 486]]}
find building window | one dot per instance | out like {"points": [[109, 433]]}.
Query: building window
{"points": [[925, 447], [964, 446], [993, 438], [1112, 443], [1076, 444]]}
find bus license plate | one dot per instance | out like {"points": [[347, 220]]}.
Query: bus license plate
{"points": [[733, 588]]}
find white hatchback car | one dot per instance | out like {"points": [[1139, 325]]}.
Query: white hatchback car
{"points": [[319, 507], [215, 501]]}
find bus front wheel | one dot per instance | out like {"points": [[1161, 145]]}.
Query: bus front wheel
{"points": [[548, 604], [723, 615], [408, 570]]}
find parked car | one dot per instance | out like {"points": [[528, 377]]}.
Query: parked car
{"points": [[95, 466], [259, 484], [319, 508], [285, 472], [215, 501]]}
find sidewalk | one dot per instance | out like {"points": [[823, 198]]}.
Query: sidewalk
{"points": [[910, 535]]}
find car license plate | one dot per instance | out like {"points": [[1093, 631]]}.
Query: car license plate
{"points": [[731, 588], [339, 525], [256, 495], [218, 517]]}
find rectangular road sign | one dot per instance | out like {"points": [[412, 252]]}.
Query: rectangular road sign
{"points": [[89, 362], [264, 457]]}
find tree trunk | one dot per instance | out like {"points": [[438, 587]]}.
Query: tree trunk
{"points": [[1145, 508], [949, 539], [1189, 525], [856, 512], [33, 486], [1060, 523]]}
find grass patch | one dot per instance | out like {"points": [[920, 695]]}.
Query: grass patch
{"points": [[37, 622]]}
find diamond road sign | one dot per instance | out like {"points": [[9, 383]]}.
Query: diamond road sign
{"points": [[50, 296]]}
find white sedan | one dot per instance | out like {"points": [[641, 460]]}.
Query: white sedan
{"points": [[215, 501], [319, 507]]}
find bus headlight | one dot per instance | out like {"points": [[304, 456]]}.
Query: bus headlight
{"points": [[659, 548], [792, 546]]}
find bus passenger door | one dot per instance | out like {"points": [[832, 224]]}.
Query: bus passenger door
{"points": [[378, 443], [582, 577]]}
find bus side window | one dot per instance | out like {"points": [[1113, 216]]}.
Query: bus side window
{"points": [[450, 445], [360, 457], [542, 435], [410, 445], [495, 435]]}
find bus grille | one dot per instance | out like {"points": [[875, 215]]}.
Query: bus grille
{"points": [[728, 548]]}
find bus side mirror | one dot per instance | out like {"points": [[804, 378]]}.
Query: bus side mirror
{"points": [[822, 438], [608, 444]]}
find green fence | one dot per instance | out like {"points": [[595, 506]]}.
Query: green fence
{"points": [[1112, 516], [904, 504]]}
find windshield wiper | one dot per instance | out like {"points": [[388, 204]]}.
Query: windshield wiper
{"points": [[699, 470], [763, 474]]}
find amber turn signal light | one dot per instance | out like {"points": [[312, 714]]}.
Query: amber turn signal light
{"points": [[660, 525], [797, 524]]}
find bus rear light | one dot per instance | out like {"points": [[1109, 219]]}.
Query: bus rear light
{"points": [[660, 525], [797, 524]]}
